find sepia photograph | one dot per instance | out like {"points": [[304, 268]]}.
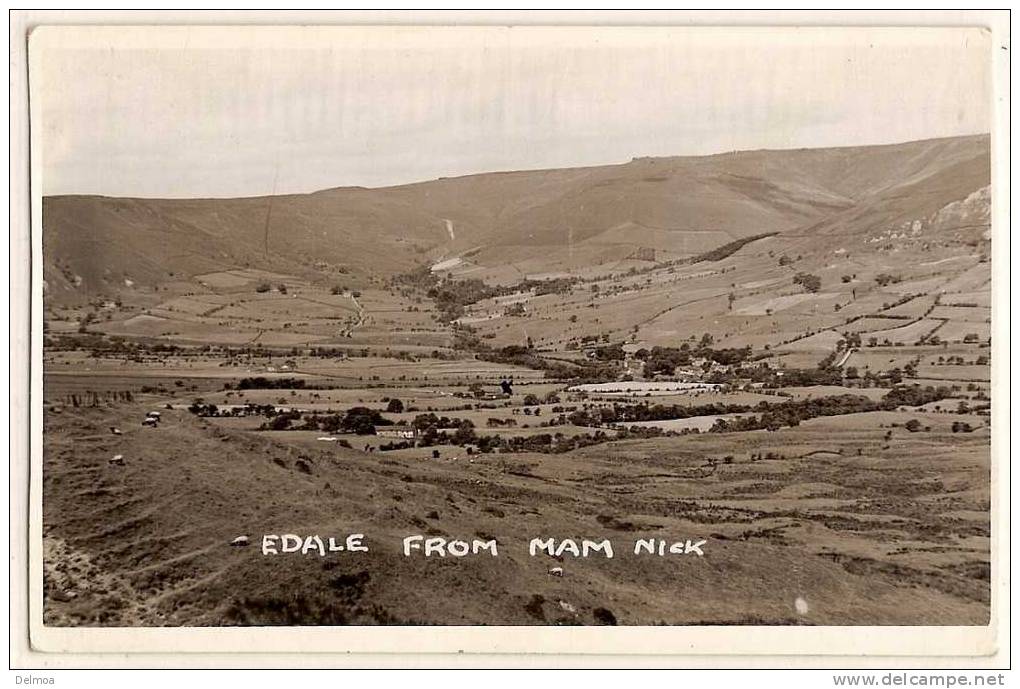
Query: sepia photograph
{"points": [[514, 326]]}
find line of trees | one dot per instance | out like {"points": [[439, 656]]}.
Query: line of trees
{"points": [[730, 248], [769, 415]]}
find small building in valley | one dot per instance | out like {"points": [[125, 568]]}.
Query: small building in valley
{"points": [[404, 432]]}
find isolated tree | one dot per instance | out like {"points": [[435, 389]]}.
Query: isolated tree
{"points": [[811, 283], [395, 406]]}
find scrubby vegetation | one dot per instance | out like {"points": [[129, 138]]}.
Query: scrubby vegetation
{"points": [[261, 383], [810, 283], [727, 250]]}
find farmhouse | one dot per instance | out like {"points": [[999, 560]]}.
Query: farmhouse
{"points": [[405, 432]]}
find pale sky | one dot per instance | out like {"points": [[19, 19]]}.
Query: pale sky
{"points": [[191, 112]]}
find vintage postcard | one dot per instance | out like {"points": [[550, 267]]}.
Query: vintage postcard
{"points": [[515, 339]]}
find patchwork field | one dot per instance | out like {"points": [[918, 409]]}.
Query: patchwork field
{"points": [[779, 362]]}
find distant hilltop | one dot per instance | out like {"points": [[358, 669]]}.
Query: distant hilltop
{"points": [[555, 221]]}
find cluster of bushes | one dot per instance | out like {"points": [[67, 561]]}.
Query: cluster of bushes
{"points": [[792, 413], [810, 283], [357, 420], [201, 409], [361, 421], [793, 377], [632, 413], [114, 345], [883, 279], [283, 422], [727, 250], [665, 359], [451, 296], [551, 286], [100, 345], [915, 395], [765, 415], [260, 383], [519, 355], [396, 445], [611, 352], [899, 302], [423, 422], [828, 361]]}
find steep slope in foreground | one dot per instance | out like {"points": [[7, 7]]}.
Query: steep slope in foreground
{"points": [[544, 220], [145, 539]]}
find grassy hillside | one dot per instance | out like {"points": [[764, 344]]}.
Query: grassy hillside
{"points": [[546, 220]]}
